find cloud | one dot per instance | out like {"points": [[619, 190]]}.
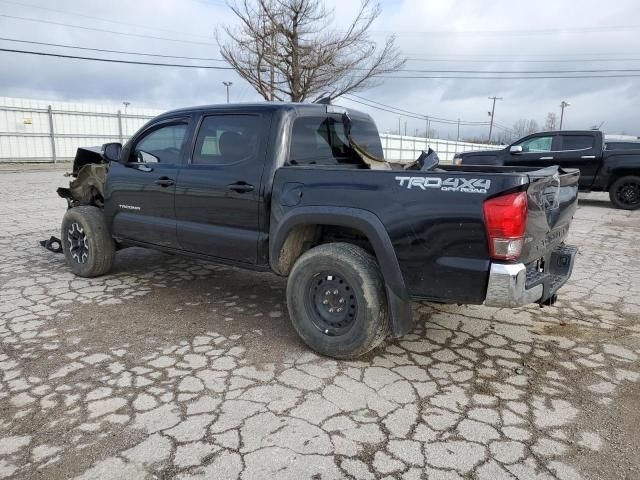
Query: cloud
{"points": [[449, 38]]}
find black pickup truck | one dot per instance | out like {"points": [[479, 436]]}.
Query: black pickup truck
{"points": [[303, 190], [604, 167]]}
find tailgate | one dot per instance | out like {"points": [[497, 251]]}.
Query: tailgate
{"points": [[552, 200]]}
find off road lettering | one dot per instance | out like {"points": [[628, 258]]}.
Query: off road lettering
{"points": [[454, 184]]}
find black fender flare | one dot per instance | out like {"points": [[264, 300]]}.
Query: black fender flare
{"points": [[371, 227]]}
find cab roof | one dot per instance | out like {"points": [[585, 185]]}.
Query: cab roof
{"points": [[306, 108]]}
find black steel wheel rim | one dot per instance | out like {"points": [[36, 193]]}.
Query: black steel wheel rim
{"points": [[78, 243], [331, 303], [629, 193]]}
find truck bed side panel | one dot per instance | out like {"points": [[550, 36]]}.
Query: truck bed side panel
{"points": [[615, 164], [434, 219]]}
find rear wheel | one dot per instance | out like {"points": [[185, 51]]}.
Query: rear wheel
{"points": [[625, 193], [88, 247], [336, 300]]}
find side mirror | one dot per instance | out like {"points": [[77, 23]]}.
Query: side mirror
{"points": [[516, 149], [111, 151]]}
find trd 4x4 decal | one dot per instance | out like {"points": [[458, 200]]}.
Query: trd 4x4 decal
{"points": [[455, 184]]}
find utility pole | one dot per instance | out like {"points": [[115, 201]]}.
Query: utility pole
{"points": [[126, 104], [405, 128], [227, 84], [493, 111], [458, 137], [428, 126], [563, 105], [399, 127]]}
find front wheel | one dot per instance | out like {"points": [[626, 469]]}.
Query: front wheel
{"points": [[625, 193], [88, 247], [337, 301]]}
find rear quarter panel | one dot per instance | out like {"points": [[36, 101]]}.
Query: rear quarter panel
{"points": [[435, 226]]}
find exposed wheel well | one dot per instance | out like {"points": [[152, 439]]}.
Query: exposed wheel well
{"points": [[621, 173], [304, 237]]}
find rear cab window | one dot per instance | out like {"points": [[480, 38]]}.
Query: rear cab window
{"points": [[227, 139], [577, 142], [321, 140]]}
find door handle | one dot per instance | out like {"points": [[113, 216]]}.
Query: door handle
{"points": [[546, 158], [588, 156], [164, 182], [241, 187]]}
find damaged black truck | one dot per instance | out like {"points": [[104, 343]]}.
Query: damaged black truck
{"points": [[303, 190]]}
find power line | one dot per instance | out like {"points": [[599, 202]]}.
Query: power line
{"points": [[48, 44], [415, 77], [414, 115], [519, 32], [110, 60], [607, 70], [118, 22], [110, 51], [423, 117], [540, 77], [519, 55], [103, 30], [520, 60], [400, 110]]}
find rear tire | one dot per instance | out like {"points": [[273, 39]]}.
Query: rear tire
{"points": [[337, 301], [625, 193], [88, 247]]}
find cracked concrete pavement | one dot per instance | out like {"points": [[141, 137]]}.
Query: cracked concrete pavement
{"points": [[175, 368]]}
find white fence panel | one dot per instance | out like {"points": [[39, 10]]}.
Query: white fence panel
{"points": [[406, 149], [43, 131]]}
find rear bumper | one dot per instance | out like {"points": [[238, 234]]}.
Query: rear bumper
{"points": [[515, 285]]}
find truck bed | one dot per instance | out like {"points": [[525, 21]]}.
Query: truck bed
{"points": [[435, 219]]}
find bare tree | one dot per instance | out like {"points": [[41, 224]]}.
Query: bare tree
{"points": [[524, 127], [551, 121], [287, 49]]}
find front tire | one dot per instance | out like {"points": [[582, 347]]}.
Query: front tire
{"points": [[88, 247], [337, 301], [625, 193]]}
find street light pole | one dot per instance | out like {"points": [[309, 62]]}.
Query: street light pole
{"points": [[227, 84], [563, 105], [493, 110]]}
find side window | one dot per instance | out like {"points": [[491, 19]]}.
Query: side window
{"points": [[160, 146], [322, 140], [577, 142], [537, 145], [227, 139]]}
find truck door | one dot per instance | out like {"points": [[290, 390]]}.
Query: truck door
{"points": [[140, 190], [537, 151], [218, 197], [581, 151]]}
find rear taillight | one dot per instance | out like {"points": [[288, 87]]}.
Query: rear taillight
{"points": [[506, 220]]}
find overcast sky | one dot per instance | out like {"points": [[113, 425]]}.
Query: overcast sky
{"points": [[497, 35]]}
